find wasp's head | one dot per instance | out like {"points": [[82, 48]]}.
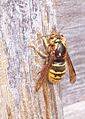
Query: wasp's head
{"points": [[58, 45]]}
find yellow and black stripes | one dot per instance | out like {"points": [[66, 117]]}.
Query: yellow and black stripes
{"points": [[57, 71], [59, 64]]}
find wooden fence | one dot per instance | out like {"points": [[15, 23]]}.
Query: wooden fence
{"points": [[20, 21]]}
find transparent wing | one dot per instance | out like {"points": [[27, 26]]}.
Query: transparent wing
{"points": [[44, 73], [72, 73]]}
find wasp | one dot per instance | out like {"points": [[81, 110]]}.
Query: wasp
{"points": [[56, 56]]}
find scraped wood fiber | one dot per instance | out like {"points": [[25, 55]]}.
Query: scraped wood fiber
{"points": [[6, 99], [19, 23]]}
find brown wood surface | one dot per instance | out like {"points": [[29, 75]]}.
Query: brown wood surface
{"points": [[19, 23]]}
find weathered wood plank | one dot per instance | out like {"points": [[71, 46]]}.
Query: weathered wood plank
{"points": [[19, 22], [72, 12], [7, 107]]}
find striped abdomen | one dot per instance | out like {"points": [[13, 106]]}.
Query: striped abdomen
{"points": [[57, 71]]}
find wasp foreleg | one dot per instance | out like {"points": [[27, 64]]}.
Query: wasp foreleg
{"points": [[42, 54], [45, 42]]}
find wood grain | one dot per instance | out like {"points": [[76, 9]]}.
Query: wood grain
{"points": [[19, 23]]}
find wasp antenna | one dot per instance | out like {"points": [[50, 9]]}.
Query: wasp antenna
{"points": [[54, 28], [53, 31], [61, 29]]}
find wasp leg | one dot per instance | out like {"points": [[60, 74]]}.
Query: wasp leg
{"points": [[45, 93], [43, 38], [54, 98], [39, 84], [45, 42], [46, 98], [42, 54]]}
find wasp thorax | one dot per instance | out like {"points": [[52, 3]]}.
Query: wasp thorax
{"points": [[60, 50]]}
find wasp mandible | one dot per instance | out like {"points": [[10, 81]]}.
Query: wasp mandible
{"points": [[56, 58]]}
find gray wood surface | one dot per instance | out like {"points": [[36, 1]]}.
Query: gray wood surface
{"points": [[19, 23]]}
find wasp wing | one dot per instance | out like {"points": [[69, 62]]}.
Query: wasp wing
{"points": [[72, 73], [44, 72]]}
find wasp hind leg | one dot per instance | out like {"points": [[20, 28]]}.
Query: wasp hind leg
{"points": [[39, 84]]}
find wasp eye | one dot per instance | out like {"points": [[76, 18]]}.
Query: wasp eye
{"points": [[62, 35]]}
